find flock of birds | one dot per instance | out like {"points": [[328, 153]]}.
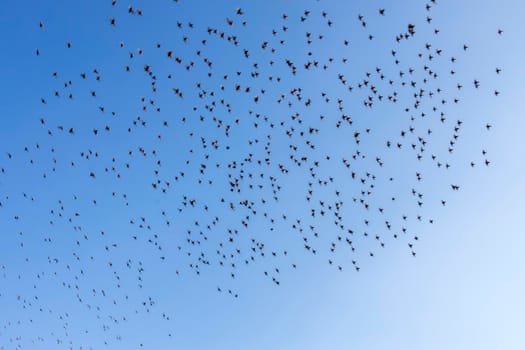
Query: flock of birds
{"points": [[227, 150]]}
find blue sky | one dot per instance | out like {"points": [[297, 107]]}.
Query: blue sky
{"points": [[76, 273]]}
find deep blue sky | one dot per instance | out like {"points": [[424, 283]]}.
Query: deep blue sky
{"points": [[75, 273]]}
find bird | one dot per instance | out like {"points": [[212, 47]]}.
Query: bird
{"points": [[219, 149]]}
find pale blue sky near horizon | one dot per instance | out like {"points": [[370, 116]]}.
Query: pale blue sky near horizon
{"points": [[464, 290]]}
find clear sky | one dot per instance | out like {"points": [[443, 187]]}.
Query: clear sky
{"points": [[149, 204]]}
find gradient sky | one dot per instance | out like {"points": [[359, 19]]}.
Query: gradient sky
{"points": [[465, 288]]}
